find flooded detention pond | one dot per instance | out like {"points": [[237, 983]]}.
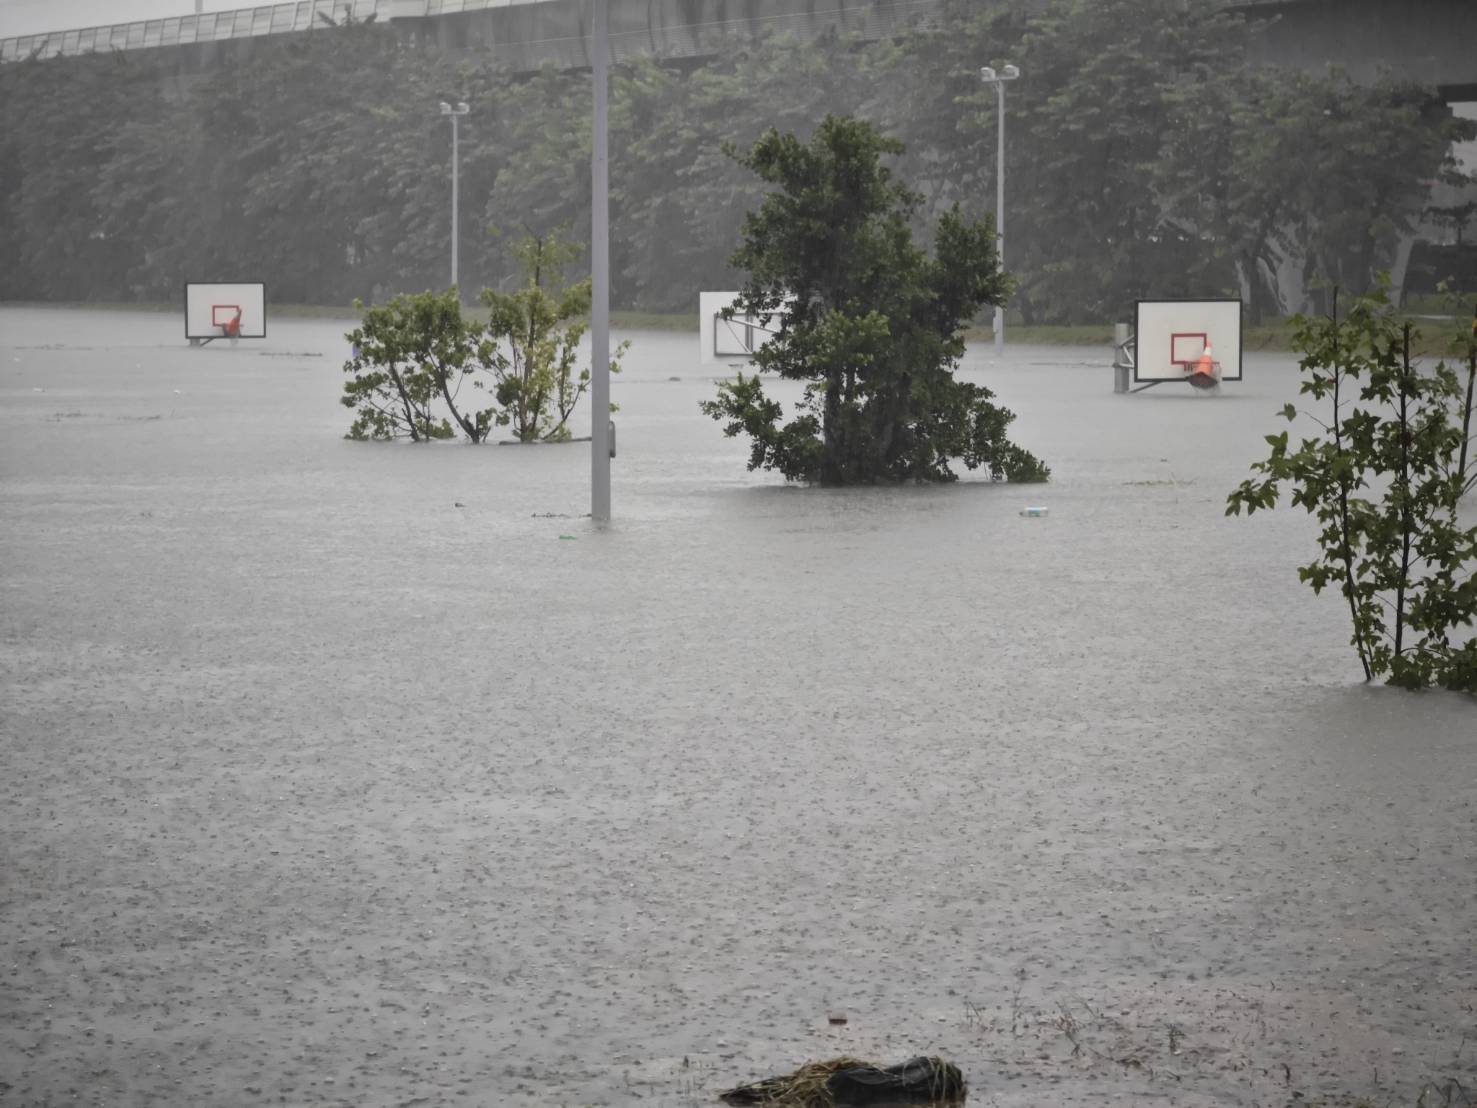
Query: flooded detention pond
{"points": [[336, 773]]}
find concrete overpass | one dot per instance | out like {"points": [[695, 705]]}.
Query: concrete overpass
{"points": [[523, 34], [1432, 41]]}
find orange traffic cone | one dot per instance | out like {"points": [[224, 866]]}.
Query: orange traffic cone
{"points": [[1203, 375]]}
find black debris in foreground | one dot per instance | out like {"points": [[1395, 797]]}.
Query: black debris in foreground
{"points": [[852, 1083]]}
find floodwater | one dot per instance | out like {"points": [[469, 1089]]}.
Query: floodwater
{"points": [[340, 773]]}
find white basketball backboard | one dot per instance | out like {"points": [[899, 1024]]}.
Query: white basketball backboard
{"points": [[1171, 336], [210, 309], [729, 341]]}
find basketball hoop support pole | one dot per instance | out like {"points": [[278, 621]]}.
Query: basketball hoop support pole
{"points": [[600, 272], [1122, 357]]}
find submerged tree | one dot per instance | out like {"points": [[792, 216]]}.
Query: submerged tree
{"points": [[868, 320], [408, 354], [416, 354], [533, 343], [1385, 479]]}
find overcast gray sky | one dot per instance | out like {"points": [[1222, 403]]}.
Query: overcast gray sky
{"points": [[26, 17]]}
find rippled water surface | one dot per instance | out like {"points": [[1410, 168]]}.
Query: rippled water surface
{"points": [[376, 775]]}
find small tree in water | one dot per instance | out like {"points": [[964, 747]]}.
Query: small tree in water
{"points": [[1385, 478], [534, 338], [415, 353], [408, 354], [870, 322]]}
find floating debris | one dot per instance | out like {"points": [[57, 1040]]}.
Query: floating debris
{"points": [[851, 1083]]}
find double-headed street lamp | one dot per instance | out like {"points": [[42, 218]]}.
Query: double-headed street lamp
{"points": [[455, 113], [990, 77]]}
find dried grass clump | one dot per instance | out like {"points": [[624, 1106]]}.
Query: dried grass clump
{"points": [[807, 1087], [813, 1086]]}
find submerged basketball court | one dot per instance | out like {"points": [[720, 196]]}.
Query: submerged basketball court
{"points": [[350, 774]]}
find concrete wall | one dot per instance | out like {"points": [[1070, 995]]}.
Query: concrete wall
{"points": [[557, 32], [525, 36], [1433, 41]]}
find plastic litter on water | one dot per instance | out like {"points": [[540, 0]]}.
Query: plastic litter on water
{"points": [[566, 538], [1033, 511]]}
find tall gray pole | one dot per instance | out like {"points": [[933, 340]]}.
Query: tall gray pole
{"points": [[455, 197], [600, 274], [1000, 213]]}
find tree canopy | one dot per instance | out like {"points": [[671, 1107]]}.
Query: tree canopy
{"points": [[1384, 471], [319, 165], [413, 356], [871, 323], [534, 335]]}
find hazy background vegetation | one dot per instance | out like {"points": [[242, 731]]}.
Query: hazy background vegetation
{"points": [[323, 168]]}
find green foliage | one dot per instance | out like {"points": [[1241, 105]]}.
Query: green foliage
{"points": [[56, 124], [1344, 222], [1100, 105], [408, 354], [677, 198], [871, 323], [533, 343], [1384, 476], [1146, 156], [413, 356], [536, 143]]}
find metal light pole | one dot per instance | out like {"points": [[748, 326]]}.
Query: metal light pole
{"points": [[456, 114], [990, 77], [600, 272]]}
